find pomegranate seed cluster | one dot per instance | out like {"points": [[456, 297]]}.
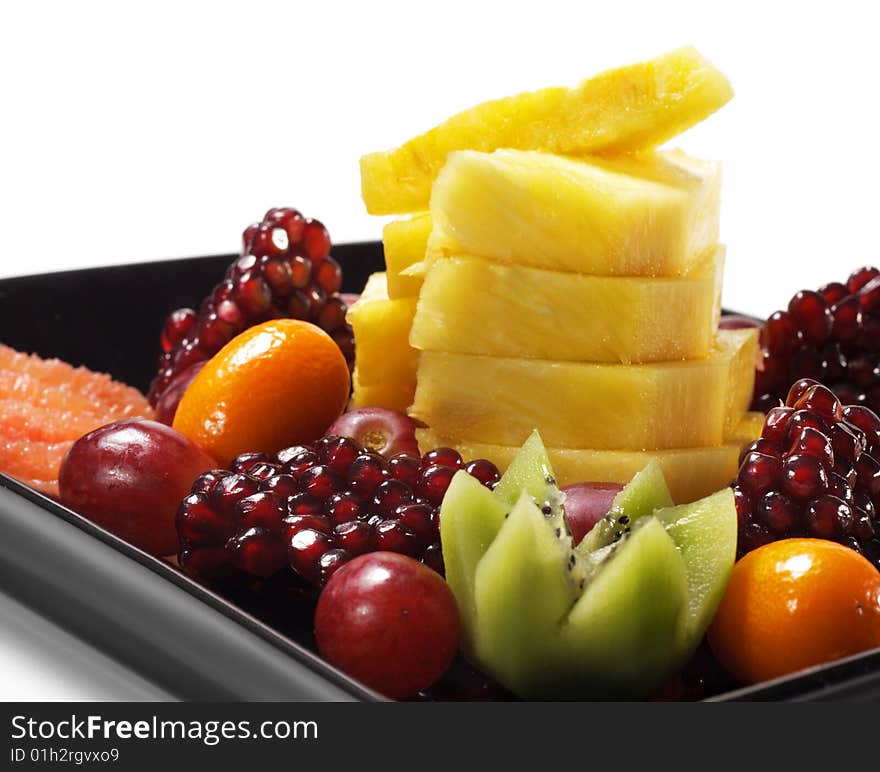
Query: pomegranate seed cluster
{"points": [[813, 472], [285, 271], [314, 507], [831, 336]]}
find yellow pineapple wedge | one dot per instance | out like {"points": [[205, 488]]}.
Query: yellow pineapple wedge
{"points": [[386, 363], [474, 306], [394, 395], [618, 111], [404, 242], [500, 401], [691, 473], [748, 429], [583, 216]]}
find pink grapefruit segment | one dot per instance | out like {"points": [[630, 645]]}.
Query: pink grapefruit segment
{"points": [[46, 404]]}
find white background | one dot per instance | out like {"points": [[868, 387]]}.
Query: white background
{"points": [[133, 132]]}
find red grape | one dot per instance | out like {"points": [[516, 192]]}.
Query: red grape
{"points": [[586, 504], [129, 477], [389, 621], [385, 431]]}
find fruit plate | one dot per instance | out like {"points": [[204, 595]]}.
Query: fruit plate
{"points": [[141, 610]]}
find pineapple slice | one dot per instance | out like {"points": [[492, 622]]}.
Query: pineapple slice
{"points": [[405, 242], [394, 395], [566, 214], [748, 429], [691, 473], [381, 334], [474, 306], [619, 111], [500, 401]]}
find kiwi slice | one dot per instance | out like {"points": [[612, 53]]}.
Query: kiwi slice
{"points": [[614, 616]]}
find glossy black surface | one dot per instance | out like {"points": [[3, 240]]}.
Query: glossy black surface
{"points": [[145, 613]]}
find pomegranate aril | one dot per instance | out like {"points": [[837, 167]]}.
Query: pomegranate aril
{"points": [[869, 296], [775, 424], [484, 471], [868, 471], [316, 241], [285, 270], [252, 295], [405, 468], [863, 505], [812, 442], [443, 457], [779, 334], [261, 510], [433, 558], [340, 453], [778, 512], [355, 537], [298, 305], [822, 401], [283, 485], [419, 519], [227, 491], [863, 529], [344, 507], [743, 503], [848, 320], [758, 473], [205, 483], [751, 537], [305, 504], [389, 495], [860, 277], [328, 276], [762, 446], [257, 552], [332, 316], [365, 474], [827, 517], [304, 551], [317, 298], [838, 486], [294, 523], [294, 504], [394, 536], [803, 477], [810, 314], [300, 271], [330, 562], [292, 453], [807, 362], [197, 521], [434, 483], [847, 441], [866, 420], [299, 463], [320, 481], [846, 470], [179, 323], [834, 292], [243, 463], [279, 276], [800, 420]]}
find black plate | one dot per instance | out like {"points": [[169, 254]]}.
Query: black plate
{"points": [[190, 641]]}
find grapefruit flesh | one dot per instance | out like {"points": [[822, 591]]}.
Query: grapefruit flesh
{"points": [[46, 404]]}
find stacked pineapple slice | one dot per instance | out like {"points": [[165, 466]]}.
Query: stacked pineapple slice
{"points": [[574, 294]]}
